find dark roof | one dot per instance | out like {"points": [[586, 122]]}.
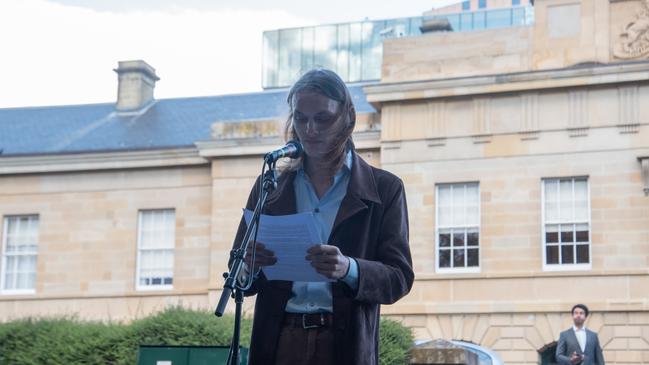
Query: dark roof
{"points": [[168, 123]]}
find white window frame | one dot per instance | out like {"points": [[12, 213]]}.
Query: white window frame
{"points": [[138, 286], [560, 266], [457, 270], [3, 264]]}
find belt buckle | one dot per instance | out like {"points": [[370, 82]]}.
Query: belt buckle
{"points": [[304, 325]]}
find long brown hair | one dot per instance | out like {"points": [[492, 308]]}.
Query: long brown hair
{"points": [[329, 84]]}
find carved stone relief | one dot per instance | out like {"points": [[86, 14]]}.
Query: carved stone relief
{"points": [[578, 113], [633, 41], [482, 120], [529, 128], [436, 135]]}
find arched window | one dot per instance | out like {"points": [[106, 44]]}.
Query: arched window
{"points": [[547, 354]]}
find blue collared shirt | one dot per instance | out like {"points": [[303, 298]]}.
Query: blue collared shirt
{"points": [[314, 297]]}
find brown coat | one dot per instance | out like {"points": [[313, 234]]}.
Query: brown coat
{"points": [[372, 227]]}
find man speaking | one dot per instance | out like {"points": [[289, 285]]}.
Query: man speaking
{"points": [[362, 227]]}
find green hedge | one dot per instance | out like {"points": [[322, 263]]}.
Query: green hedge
{"points": [[70, 341]]}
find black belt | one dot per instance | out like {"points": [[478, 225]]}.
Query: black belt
{"points": [[308, 320]]}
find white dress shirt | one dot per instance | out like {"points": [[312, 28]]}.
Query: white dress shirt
{"points": [[581, 337]]}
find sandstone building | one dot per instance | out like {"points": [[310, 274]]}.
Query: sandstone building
{"points": [[524, 150]]}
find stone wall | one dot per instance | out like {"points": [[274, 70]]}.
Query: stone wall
{"points": [[518, 337], [88, 238], [565, 33]]}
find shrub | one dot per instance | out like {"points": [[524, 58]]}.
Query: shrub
{"points": [[71, 341], [394, 343]]}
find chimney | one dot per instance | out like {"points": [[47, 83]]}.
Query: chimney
{"points": [[136, 80]]}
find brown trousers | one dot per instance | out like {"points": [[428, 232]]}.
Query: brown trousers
{"points": [[300, 346]]}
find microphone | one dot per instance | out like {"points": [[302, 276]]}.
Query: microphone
{"points": [[293, 149]]}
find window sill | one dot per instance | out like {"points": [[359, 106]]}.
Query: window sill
{"points": [[459, 270], [154, 288], [121, 296], [18, 292], [567, 267], [530, 274]]}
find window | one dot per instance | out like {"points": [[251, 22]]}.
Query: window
{"points": [[466, 6], [155, 253], [457, 228], [19, 251], [482, 4], [566, 224], [516, 2]]}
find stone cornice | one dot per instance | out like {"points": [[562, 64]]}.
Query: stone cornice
{"points": [[29, 164], [239, 147], [507, 307], [531, 274], [85, 296], [610, 303], [514, 82], [198, 155]]}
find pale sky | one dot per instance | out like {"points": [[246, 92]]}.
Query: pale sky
{"points": [[63, 51]]}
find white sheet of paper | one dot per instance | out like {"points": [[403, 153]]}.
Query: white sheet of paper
{"points": [[288, 236]]}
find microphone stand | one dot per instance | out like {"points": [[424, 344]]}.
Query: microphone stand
{"points": [[232, 287]]}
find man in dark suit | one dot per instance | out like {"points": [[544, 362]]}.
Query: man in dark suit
{"points": [[578, 345]]}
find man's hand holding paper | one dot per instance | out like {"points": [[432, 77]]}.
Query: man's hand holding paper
{"points": [[328, 261], [286, 241], [263, 256]]}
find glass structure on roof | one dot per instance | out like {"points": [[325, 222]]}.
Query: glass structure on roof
{"points": [[355, 50]]}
